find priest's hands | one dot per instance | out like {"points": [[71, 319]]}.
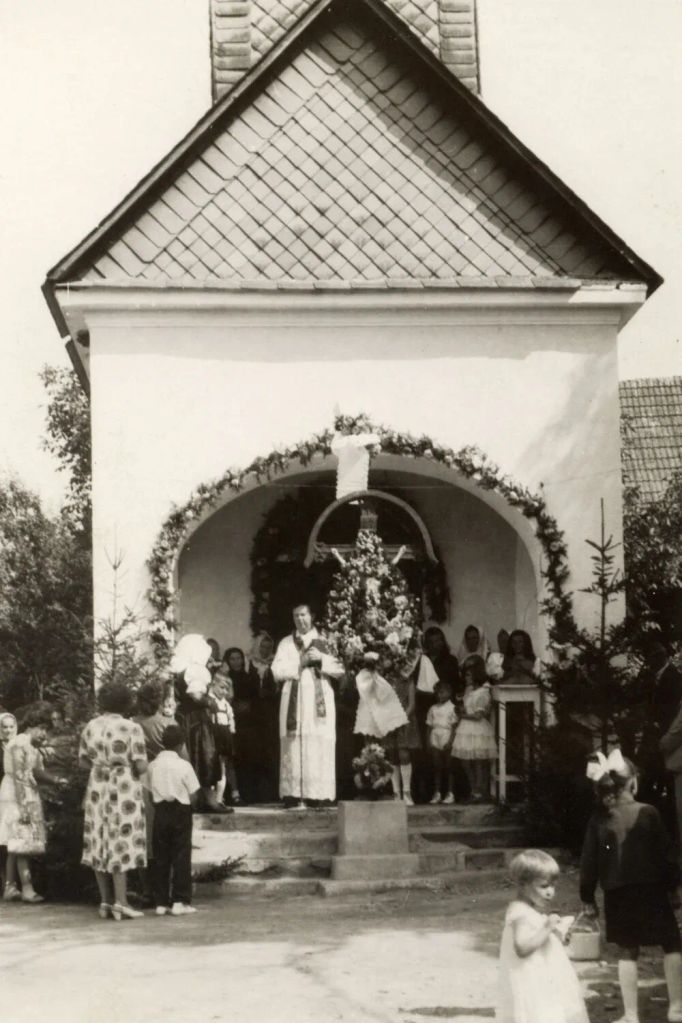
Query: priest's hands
{"points": [[311, 659]]}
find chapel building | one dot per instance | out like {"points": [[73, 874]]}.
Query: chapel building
{"points": [[349, 241]]}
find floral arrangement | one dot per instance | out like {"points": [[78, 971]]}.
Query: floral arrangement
{"points": [[372, 771], [467, 462], [370, 609]]}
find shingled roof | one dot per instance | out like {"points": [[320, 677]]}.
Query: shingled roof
{"points": [[651, 432], [350, 155]]}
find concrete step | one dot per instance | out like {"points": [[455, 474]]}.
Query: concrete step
{"points": [[457, 882], [275, 818]]}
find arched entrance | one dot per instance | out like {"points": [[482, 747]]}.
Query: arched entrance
{"points": [[540, 542], [245, 566]]}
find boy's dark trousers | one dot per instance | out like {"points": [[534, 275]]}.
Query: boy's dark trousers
{"points": [[172, 853]]}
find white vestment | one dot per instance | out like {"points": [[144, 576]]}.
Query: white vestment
{"points": [[307, 756]]}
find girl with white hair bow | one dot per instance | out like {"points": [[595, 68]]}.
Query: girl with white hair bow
{"points": [[192, 677]]}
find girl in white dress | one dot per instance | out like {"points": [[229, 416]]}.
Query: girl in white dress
{"points": [[474, 741], [537, 981]]}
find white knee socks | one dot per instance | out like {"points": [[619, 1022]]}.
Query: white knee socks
{"points": [[395, 781], [672, 967], [406, 775], [627, 978]]}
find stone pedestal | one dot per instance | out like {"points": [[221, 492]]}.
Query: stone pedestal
{"points": [[373, 842]]}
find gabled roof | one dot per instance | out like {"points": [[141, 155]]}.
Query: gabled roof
{"points": [[651, 433], [350, 152]]}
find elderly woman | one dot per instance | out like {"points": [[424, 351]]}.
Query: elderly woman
{"points": [[22, 825], [114, 838]]}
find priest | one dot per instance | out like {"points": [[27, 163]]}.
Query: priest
{"points": [[303, 667]]}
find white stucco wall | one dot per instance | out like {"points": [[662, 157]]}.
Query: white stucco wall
{"points": [[180, 393]]}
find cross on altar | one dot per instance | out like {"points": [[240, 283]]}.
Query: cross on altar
{"points": [[368, 523]]}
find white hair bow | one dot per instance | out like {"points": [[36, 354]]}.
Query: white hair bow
{"points": [[598, 765]]}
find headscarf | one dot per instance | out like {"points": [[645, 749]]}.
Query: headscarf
{"points": [[6, 714], [483, 648], [261, 664], [190, 659]]}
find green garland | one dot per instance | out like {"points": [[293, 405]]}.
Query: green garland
{"points": [[468, 462]]}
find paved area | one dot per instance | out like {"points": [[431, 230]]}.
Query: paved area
{"points": [[397, 958]]}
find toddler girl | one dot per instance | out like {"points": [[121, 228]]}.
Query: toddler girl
{"points": [[628, 852], [222, 717], [474, 741], [537, 981], [441, 721]]}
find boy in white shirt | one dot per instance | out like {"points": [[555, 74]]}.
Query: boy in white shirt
{"points": [[174, 786]]}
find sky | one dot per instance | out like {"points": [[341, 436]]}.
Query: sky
{"points": [[95, 92]]}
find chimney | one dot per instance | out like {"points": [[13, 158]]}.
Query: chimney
{"points": [[230, 43], [458, 35], [232, 52]]}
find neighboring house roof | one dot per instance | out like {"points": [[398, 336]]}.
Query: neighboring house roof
{"points": [[651, 432], [350, 154]]}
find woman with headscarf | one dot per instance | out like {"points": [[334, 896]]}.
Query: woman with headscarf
{"points": [[8, 729], [261, 656], [473, 642], [189, 665], [22, 824], [248, 732]]}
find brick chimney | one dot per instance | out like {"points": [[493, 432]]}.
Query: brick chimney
{"points": [[230, 43], [242, 29], [458, 38]]}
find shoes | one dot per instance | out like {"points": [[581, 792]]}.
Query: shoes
{"points": [[181, 909], [11, 893], [161, 910], [121, 912], [449, 799], [104, 910], [675, 1014], [33, 899], [435, 799], [408, 800]]}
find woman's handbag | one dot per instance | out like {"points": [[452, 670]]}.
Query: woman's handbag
{"points": [[584, 939], [25, 839]]}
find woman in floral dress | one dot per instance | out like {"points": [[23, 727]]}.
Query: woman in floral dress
{"points": [[114, 838], [22, 825]]}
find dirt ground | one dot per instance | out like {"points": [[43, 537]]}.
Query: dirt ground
{"points": [[403, 957]]}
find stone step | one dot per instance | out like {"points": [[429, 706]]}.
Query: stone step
{"points": [[432, 863], [457, 882], [215, 846], [275, 818]]}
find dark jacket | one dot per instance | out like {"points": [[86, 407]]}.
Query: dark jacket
{"points": [[626, 845]]}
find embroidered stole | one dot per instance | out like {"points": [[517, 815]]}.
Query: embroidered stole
{"points": [[292, 706]]}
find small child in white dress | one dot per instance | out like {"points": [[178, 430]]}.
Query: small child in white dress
{"points": [[441, 721], [474, 741], [537, 981]]}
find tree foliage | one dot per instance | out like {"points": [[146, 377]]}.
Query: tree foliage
{"points": [[653, 562], [45, 601], [68, 438]]}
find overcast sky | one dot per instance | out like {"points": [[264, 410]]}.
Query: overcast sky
{"points": [[96, 91]]}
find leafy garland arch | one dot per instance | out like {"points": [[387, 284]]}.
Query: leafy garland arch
{"points": [[469, 462]]}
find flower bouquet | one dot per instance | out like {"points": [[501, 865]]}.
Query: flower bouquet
{"points": [[372, 771]]}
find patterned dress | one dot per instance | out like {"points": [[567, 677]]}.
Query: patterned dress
{"points": [[114, 838], [22, 826]]}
